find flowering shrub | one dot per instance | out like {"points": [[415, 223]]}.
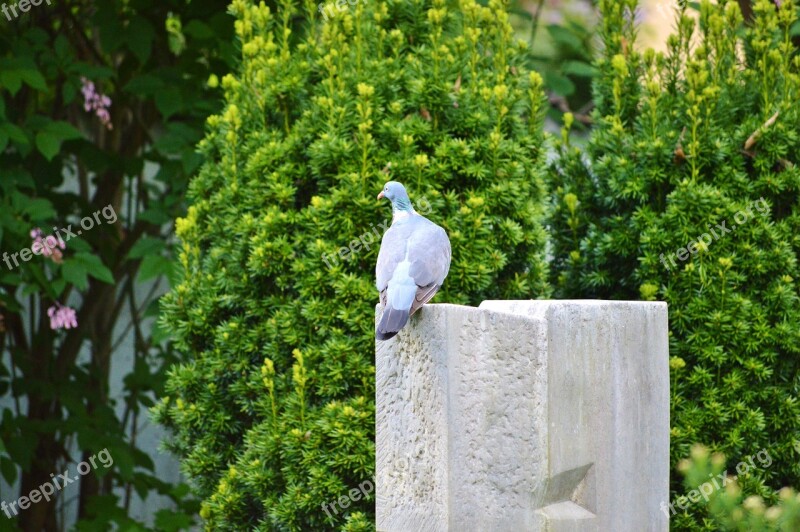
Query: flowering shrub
{"points": [[70, 307], [94, 101], [685, 142], [273, 410], [62, 317], [49, 246]]}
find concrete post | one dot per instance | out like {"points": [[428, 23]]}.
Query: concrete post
{"points": [[525, 416]]}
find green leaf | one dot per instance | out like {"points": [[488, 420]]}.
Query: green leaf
{"points": [[15, 133], [153, 266], [15, 178], [95, 72], [168, 101], [20, 449], [11, 80], [68, 92], [561, 85], [37, 209], [48, 144], [152, 310], [65, 130], [30, 289], [34, 79], [579, 68], [175, 138], [146, 246], [62, 46], [9, 470], [144, 85], [140, 38], [41, 280], [36, 35], [112, 32], [564, 37], [158, 333], [199, 30], [74, 273], [18, 70], [78, 244], [49, 139], [123, 461], [95, 267], [58, 286], [172, 521], [155, 216]]}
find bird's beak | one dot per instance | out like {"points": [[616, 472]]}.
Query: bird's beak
{"points": [[380, 195]]}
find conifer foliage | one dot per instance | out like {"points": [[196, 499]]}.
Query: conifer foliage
{"points": [[273, 410], [689, 192]]}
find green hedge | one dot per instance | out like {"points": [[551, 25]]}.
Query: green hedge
{"points": [[272, 412], [684, 142], [710, 480]]}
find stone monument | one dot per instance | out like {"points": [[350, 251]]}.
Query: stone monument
{"points": [[525, 416]]}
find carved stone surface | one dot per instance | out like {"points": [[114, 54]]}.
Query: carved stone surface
{"points": [[524, 415]]}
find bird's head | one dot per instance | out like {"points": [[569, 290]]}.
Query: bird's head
{"points": [[396, 193], [393, 191]]}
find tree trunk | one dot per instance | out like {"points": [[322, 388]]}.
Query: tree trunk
{"points": [[40, 516]]}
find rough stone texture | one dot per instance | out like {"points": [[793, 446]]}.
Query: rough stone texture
{"points": [[524, 415]]}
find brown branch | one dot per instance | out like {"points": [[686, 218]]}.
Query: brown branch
{"points": [[752, 139], [747, 11], [15, 325], [560, 103], [535, 24], [679, 154]]}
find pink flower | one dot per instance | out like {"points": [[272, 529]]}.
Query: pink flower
{"points": [[62, 317], [97, 102], [49, 246]]}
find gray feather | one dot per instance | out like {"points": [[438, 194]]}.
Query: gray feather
{"points": [[391, 322], [412, 265]]}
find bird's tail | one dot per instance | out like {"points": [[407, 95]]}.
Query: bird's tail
{"points": [[391, 322]]}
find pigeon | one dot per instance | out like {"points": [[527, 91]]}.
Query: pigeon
{"points": [[412, 263]]}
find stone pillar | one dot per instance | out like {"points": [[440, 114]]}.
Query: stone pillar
{"points": [[525, 416]]}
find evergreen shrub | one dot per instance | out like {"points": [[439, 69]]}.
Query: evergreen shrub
{"points": [[705, 134], [272, 412], [728, 506]]}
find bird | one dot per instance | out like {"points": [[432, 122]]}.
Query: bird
{"points": [[413, 262]]}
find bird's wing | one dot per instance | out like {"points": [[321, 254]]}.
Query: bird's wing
{"points": [[428, 253], [390, 254], [420, 242], [412, 264]]}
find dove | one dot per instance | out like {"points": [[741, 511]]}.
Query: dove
{"points": [[413, 262]]}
